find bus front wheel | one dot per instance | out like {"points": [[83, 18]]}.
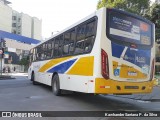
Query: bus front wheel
{"points": [[56, 85], [33, 79]]}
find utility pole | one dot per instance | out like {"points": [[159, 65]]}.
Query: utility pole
{"points": [[2, 47], [1, 54]]}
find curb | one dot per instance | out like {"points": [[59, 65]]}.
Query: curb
{"points": [[4, 77]]}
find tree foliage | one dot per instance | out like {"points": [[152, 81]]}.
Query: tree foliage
{"points": [[154, 16], [24, 61], [134, 6], [140, 7]]}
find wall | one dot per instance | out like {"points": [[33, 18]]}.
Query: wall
{"points": [[5, 17], [36, 28], [26, 25], [18, 45]]}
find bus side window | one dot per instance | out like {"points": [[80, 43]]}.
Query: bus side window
{"points": [[81, 32], [39, 56], [60, 47], [49, 50], [90, 36], [65, 49], [56, 44], [43, 51], [39, 52], [90, 29], [66, 43], [88, 44], [30, 55], [72, 41], [34, 54], [71, 48], [69, 39], [79, 48], [52, 49]]}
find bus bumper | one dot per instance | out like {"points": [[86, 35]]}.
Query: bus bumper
{"points": [[103, 86]]}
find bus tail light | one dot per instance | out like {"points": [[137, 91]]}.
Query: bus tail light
{"points": [[104, 64], [152, 70]]}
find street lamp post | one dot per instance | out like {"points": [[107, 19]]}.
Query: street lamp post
{"points": [[2, 47], [1, 53]]}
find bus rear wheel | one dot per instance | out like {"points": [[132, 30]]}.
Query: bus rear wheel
{"points": [[56, 85]]}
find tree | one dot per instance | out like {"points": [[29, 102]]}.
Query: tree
{"points": [[24, 61], [134, 6], [155, 18], [140, 7]]}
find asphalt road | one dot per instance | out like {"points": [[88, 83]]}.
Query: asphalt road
{"points": [[20, 95]]}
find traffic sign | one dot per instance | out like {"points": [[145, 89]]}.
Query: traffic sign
{"points": [[1, 51]]}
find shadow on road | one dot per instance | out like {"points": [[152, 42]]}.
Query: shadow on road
{"points": [[100, 102]]}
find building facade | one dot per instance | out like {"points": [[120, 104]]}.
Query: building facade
{"points": [[25, 25], [16, 51], [26, 31], [19, 23], [5, 16], [36, 28], [16, 48], [157, 64]]}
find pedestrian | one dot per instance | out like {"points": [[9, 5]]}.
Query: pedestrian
{"points": [[14, 69], [4, 69], [9, 70]]}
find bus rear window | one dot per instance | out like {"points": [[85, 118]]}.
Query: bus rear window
{"points": [[123, 27]]}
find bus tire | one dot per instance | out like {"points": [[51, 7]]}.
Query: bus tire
{"points": [[33, 80], [56, 85]]}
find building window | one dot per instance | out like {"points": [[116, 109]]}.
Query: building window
{"points": [[13, 24], [19, 19], [19, 27], [14, 31], [14, 17]]}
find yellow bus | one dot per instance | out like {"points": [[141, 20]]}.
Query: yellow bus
{"points": [[108, 52]]}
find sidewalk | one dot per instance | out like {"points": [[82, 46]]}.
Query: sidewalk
{"points": [[16, 74], [4, 77], [12, 75]]}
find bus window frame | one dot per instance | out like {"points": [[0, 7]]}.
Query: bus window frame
{"points": [[95, 19]]}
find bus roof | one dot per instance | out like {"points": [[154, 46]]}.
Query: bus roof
{"points": [[68, 28]]}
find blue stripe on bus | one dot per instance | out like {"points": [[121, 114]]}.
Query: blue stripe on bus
{"points": [[62, 68], [137, 57], [140, 57], [117, 50]]}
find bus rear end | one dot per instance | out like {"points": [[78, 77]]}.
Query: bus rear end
{"points": [[127, 54]]}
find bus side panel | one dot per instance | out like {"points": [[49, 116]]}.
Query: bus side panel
{"points": [[74, 83], [36, 66], [76, 77], [96, 51], [30, 72], [72, 71]]}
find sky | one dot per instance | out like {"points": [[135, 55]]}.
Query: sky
{"points": [[56, 15]]}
